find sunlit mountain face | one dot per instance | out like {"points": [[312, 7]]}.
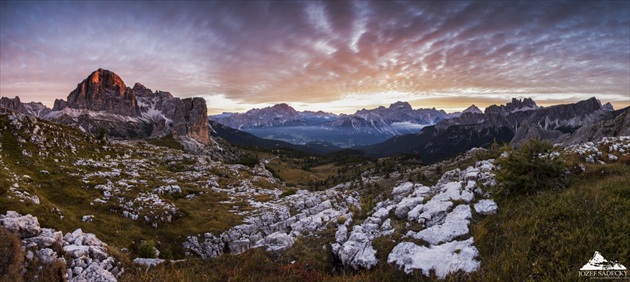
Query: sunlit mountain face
{"points": [[338, 56]]}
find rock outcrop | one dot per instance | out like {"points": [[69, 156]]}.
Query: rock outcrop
{"points": [[24, 225], [85, 256], [104, 91], [619, 126], [191, 119], [59, 105], [14, 105], [444, 211]]}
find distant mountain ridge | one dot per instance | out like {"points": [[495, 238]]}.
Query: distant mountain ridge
{"points": [[515, 122], [283, 122], [276, 115]]}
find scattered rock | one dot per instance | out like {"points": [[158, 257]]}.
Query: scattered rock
{"points": [[149, 262], [441, 224], [26, 226], [486, 207], [278, 241], [84, 255], [443, 259]]}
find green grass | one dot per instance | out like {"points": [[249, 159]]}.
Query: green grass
{"points": [[550, 235], [63, 188], [166, 141], [545, 236]]}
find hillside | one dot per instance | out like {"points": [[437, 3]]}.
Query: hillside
{"points": [[309, 218], [242, 138]]}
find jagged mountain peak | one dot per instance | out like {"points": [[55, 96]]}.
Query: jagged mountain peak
{"points": [[16, 105], [473, 110], [139, 86], [277, 108], [12, 104], [608, 107], [517, 104]]}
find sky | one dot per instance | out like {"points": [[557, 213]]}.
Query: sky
{"points": [[336, 56]]}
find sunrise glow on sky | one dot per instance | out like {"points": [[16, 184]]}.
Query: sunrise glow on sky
{"points": [[334, 56]]}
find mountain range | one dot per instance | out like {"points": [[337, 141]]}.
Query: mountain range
{"points": [[365, 127], [515, 122], [103, 105]]}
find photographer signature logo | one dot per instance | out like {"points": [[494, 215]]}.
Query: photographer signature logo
{"points": [[600, 268]]}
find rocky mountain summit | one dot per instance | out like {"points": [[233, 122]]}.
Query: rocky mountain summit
{"points": [[473, 110], [13, 104], [102, 104], [102, 91]]}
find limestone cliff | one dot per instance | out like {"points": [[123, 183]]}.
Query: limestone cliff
{"points": [[191, 119], [106, 103]]}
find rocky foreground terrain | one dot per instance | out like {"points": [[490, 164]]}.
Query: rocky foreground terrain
{"points": [[110, 197], [84, 255]]}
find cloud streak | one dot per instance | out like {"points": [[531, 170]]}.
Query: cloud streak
{"points": [[319, 53]]}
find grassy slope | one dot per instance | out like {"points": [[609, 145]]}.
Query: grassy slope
{"points": [[551, 235], [63, 188], [547, 236]]}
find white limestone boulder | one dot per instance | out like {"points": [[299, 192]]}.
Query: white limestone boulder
{"points": [[486, 207], [25, 226]]}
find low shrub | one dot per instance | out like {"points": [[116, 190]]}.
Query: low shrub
{"points": [[146, 249], [492, 152], [532, 167]]}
